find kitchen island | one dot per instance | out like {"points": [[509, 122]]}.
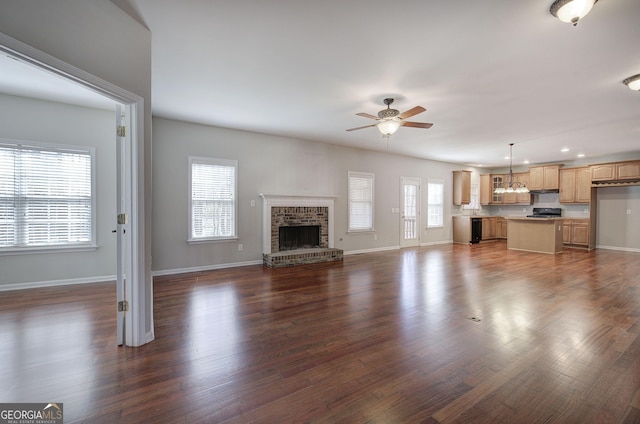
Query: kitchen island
{"points": [[542, 235]]}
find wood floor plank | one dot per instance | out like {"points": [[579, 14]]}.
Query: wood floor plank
{"points": [[379, 337]]}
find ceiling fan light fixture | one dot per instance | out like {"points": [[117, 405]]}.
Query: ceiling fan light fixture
{"points": [[633, 82], [388, 127], [571, 11]]}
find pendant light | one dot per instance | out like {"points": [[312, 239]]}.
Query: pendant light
{"points": [[511, 186]]}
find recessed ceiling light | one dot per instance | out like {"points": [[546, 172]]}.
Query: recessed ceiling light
{"points": [[507, 158], [564, 150], [580, 155], [526, 161]]}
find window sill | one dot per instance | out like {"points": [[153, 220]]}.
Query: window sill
{"points": [[46, 250], [361, 231], [212, 240], [435, 226]]}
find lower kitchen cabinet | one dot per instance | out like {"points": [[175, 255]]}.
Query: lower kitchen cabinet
{"points": [[489, 228], [575, 232], [501, 228]]}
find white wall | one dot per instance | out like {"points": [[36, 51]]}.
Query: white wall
{"points": [[36, 120], [276, 165]]}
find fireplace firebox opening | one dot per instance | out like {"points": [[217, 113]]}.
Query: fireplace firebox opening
{"points": [[298, 237]]}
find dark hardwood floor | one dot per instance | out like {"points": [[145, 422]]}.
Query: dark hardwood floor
{"points": [[446, 334]]}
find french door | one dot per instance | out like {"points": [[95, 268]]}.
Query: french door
{"points": [[409, 212]]}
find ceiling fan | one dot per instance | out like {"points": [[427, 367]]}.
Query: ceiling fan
{"points": [[392, 119]]}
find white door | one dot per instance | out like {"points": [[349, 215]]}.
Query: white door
{"points": [[123, 208], [409, 212]]}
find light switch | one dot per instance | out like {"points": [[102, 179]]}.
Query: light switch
{"points": [[628, 211], [253, 203]]}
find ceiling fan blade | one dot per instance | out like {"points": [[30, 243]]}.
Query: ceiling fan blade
{"points": [[413, 111], [416, 124], [367, 115], [359, 128]]}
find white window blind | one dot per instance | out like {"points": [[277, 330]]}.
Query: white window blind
{"points": [[46, 196], [360, 201], [435, 203], [213, 198]]}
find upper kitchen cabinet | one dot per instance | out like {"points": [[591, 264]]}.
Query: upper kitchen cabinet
{"points": [[544, 177], [461, 187], [575, 185], [617, 171], [485, 189]]}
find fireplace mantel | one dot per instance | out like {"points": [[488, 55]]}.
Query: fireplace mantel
{"points": [[271, 200]]}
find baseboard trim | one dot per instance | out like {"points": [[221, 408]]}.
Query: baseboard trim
{"points": [[175, 271], [623, 249], [55, 283], [436, 243], [376, 249]]}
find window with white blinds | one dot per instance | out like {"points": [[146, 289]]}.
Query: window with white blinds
{"points": [[360, 201], [435, 203], [46, 196], [212, 197]]}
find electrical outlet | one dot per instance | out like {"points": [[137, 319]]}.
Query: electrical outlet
{"points": [[240, 247], [524, 209]]}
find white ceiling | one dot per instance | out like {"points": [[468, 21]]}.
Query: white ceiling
{"points": [[489, 73]]}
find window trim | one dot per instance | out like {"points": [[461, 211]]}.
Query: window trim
{"points": [[370, 176], [92, 244], [211, 161], [441, 183]]}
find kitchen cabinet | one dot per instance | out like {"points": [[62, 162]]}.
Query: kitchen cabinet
{"points": [[603, 172], [488, 228], [629, 170], [544, 177], [485, 189], [501, 228], [524, 198], [575, 185], [575, 232], [496, 181], [461, 187]]}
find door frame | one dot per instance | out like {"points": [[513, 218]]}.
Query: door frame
{"points": [[410, 181], [135, 325]]}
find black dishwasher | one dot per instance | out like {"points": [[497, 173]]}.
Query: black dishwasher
{"points": [[476, 230]]}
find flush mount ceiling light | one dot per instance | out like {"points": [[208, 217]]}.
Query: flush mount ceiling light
{"points": [[571, 11], [511, 186], [633, 82]]}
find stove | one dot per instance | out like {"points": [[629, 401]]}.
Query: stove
{"points": [[546, 213]]}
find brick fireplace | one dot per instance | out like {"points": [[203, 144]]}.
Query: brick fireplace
{"points": [[305, 214]]}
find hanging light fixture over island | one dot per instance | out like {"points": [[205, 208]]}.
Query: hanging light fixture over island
{"points": [[511, 186]]}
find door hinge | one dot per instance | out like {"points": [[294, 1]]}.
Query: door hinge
{"points": [[122, 218], [123, 306], [121, 131]]}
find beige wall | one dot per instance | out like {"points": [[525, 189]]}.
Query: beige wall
{"points": [[277, 165], [617, 228]]}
